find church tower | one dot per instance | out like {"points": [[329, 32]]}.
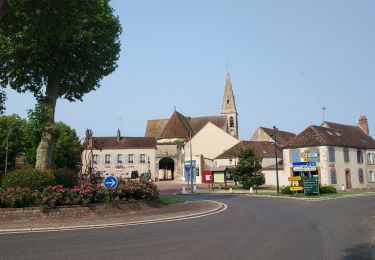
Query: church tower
{"points": [[229, 108]]}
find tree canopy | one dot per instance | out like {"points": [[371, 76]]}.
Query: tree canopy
{"points": [[57, 49], [248, 171]]}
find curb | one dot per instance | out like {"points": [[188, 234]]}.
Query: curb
{"points": [[313, 199], [220, 208]]}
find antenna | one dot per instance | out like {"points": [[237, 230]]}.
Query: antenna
{"points": [[323, 112], [120, 118]]}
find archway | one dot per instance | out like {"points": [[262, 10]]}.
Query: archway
{"points": [[166, 169]]}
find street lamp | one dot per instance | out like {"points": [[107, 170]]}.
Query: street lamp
{"points": [[277, 166], [6, 151]]}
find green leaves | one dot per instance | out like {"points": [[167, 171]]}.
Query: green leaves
{"points": [[248, 170], [76, 41]]}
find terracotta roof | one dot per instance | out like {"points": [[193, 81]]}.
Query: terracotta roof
{"points": [[339, 135], [178, 126], [262, 149], [283, 137], [124, 143], [155, 127]]}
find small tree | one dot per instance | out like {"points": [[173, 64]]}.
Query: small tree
{"points": [[248, 171]]}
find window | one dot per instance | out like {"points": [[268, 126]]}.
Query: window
{"points": [[231, 121], [359, 156], [331, 151], [95, 158], [131, 158], [119, 158], [107, 158], [143, 158], [346, 155], [370, 158], [371, 176], [294, 155], [360, 176], [333, 176]]}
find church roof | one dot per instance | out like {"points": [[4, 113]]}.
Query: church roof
{"points": [[124, 143], [178, 126], [229, 103]]}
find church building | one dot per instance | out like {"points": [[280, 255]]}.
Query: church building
{"points": [[209, 136]]}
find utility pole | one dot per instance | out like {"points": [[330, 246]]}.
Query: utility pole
{"points": [[323, 111], [6, 151], [277, 164], [191, 165]]}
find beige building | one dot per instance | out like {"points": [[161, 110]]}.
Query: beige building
{"points": [[263, 134], [173, 134], [345, 154], [126, 157], [266, 152]]}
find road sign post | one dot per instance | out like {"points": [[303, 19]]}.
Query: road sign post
{"points": [[110, 182]]}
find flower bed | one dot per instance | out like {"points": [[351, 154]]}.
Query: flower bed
{"points": [[84, 194]]}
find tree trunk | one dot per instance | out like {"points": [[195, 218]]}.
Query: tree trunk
{"points": [[44, 151]]}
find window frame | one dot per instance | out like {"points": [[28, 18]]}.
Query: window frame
{"points": [[346, 155], [142, 158], [95, 158], [331, 154], [332, 172], [118, 158], [109, 159], [130, 158], [361, 176], [359, 156]]}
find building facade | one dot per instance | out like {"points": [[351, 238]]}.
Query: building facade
{"points": [[126, 157], [345, 154]]}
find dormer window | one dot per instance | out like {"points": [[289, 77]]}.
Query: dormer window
{"points": [[329, 132]]}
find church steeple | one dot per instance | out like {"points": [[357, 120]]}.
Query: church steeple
{"points": [[229, 107]]}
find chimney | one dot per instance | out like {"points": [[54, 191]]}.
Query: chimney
{"points": [[363, 124], [118, 135]]}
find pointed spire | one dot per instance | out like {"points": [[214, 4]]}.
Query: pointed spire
{"points": [[229, 104]]}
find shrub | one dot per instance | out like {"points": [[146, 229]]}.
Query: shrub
{"points": [[65, 177], [19, 197], [327, 189], [286, 190], [53, 196], [137, 190], [34, 179]]}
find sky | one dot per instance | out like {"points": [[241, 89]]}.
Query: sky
{"points": [[287, 60]]}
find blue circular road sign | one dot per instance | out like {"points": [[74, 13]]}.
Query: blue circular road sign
{"points": [[110, 182]]}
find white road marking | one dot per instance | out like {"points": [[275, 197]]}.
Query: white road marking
{"points": [[221, 207]]}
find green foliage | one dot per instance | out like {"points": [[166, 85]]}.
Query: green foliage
{"points": [[68, 178], [19, 197], [75, 42], [2, 102], [34, 179], [286, 190], [15, 127], [327, 189], [248, 169], [67, 149]]}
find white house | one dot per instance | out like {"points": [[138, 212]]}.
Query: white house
{"points": [[119, 156], [346, 154]]}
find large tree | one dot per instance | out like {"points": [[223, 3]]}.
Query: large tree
{"points": [[57, 49]]}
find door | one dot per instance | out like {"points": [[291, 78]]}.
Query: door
{"points": [[348, 179]]}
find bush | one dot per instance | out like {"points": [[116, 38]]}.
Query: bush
{"points": [[327, 189], [137, 190], [286, 190], [33, 179], [53, 196], [19, 197], [65, 177]]}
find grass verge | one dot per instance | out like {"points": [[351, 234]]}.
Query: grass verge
{"points": [[164, 200]]}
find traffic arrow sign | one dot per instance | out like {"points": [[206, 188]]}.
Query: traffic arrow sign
{"points": [[110, 182]]}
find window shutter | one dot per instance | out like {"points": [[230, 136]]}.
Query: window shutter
{"points": [[126, 158], [331, 150], [294, 156], [103, 159], [135, 158]]}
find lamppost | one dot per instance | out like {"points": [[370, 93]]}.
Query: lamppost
{"points": [[191, 165], [6, 151], [277, 166]]}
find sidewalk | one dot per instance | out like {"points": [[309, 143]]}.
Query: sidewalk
{"points": [[113, 217]]}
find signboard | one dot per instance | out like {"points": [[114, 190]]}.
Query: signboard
{"points": [[110, 182], [296, 188], [295, 178], [218, 177], [309, 155], [304, 168], [311, 186], [304, 163], [187, 164]]}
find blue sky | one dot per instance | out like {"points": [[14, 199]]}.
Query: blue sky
{"points": [[287, 59]]}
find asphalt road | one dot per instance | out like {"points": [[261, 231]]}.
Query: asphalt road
{"points": [[251, 228]]}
